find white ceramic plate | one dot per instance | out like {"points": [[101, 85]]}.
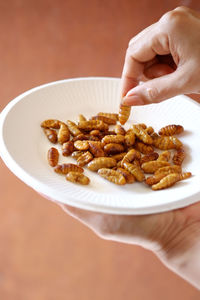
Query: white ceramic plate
{"points": [[24, 146]]}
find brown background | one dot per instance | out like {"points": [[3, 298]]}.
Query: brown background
{"points": [[44, 253]]}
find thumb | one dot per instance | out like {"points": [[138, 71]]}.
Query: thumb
{"points": [[158, 89]]}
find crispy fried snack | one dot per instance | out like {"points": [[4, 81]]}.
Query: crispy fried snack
{"points": [[152, 166], [185, 175], [53, 156], [81, 145], [109, 121], [77, 153], [81, 118], [149, 130], [117, 139], [96, 149], [113, 148], [130, 156], [119, 156], [142, 125], [109, 115], [119, 130], [51, 135], [165, 156], [73, 128], [66, 168], [63, 134], [77, 177], [51, 123], [142, 134], [84, 158], [178, 157], [95, 132], [67, 148], [93, 124], [85, 137], [171, 130], [166, 181], [154, 135], [168, 169], [135, 170], [129, 138], [149, 157], [143, 148], [124, 113], [154, 179], [101, 162], [167, 142], [127, 175], [79, 137], [112, 176]]}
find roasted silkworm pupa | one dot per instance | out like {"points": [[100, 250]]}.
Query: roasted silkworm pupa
{"points": [[124, 113], [53, 156], [171, 130], [109, 115], [101, 162], [63, 134], [66, 168], [51, 135], [67, 148], [84, 159], [77, 177], [112, 176], [166, 181]]}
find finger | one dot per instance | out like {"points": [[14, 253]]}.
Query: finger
{"points": [[131, 74], [185, 9], [158, 89], [142, 49]]}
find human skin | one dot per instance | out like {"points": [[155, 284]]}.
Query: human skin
{"points": [[169, 52], [165, 57], [173, 236]]}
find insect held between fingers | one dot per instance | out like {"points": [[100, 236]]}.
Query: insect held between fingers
{"points": [[124, 113]]}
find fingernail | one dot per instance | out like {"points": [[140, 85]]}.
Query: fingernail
{"points": [[133, 100]]}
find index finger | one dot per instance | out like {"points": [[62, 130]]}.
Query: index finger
{"points": [[139, 52], [131, 74]]}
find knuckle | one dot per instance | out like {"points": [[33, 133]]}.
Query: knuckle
{"points": [[182, 8], [174, 17]]}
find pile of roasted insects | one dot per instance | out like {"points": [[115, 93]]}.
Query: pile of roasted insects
{"points": [[118, 155]]}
